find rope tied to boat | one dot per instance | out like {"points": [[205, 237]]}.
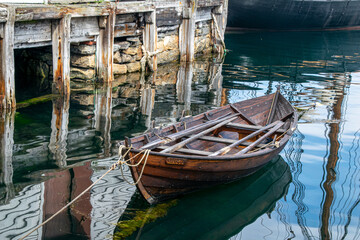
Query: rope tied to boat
{"points": [[119, 162], [145, 155], [165, 138]]}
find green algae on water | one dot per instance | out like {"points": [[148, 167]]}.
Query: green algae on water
{"points": [[36, 100], [127, 227]]}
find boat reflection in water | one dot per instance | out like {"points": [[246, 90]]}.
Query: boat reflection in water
{"points": [[216, 213]]}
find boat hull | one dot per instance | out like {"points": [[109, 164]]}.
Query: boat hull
{"points": [[201, 156], [166, 177], [293, 14]]}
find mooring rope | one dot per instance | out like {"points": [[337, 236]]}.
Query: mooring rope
{"points": [[121, 162], [218, 31]]}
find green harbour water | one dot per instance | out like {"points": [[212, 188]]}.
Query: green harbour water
{"points": [[55, 149]]}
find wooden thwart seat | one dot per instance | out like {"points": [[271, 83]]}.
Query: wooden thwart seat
{"points": [[262, 138], [275, 125], [211, 139], [173, 137], [240, 126], [224, 140], [196, 136]]}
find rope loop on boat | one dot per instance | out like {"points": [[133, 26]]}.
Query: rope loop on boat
{"points": [[145, 155], [166, 138]]}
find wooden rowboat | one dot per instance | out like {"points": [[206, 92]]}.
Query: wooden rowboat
{"points": [[219, 146]]}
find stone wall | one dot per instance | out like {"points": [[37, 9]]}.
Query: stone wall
{"points": [[82, 61], [127, 55], [203, 38], [168, 44]]}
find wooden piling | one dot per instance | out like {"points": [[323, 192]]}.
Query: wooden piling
{"points": [[7, 62], [150, 39], [61, 55], [104, 47], [187, 32]]}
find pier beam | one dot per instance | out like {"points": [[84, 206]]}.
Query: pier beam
{"points": [[150, 39], [187, 33], [7, 62], [104, 47], [61, 55]]}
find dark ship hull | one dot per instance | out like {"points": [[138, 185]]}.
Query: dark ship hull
{"points": [[294, 14]]}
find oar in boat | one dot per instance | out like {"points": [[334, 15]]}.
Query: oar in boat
{"points": [[196, 136], [237, 143], [262, 138], [175, 136]]}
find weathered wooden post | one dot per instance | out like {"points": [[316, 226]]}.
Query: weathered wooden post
{"points": [[59, 130], [7, 61], [187, 32], [61, 55], [150, 39], [7, 122], [104, 47]]}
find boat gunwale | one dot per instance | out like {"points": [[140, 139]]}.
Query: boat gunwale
{"points": [[282, 143]]}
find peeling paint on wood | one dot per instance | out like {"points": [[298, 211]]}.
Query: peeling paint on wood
{"points": [[187, 33], [61, 55], [7, 64], [126, 29]]}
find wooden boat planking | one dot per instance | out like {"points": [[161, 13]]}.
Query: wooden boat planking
{"points": [[190, 166]]}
